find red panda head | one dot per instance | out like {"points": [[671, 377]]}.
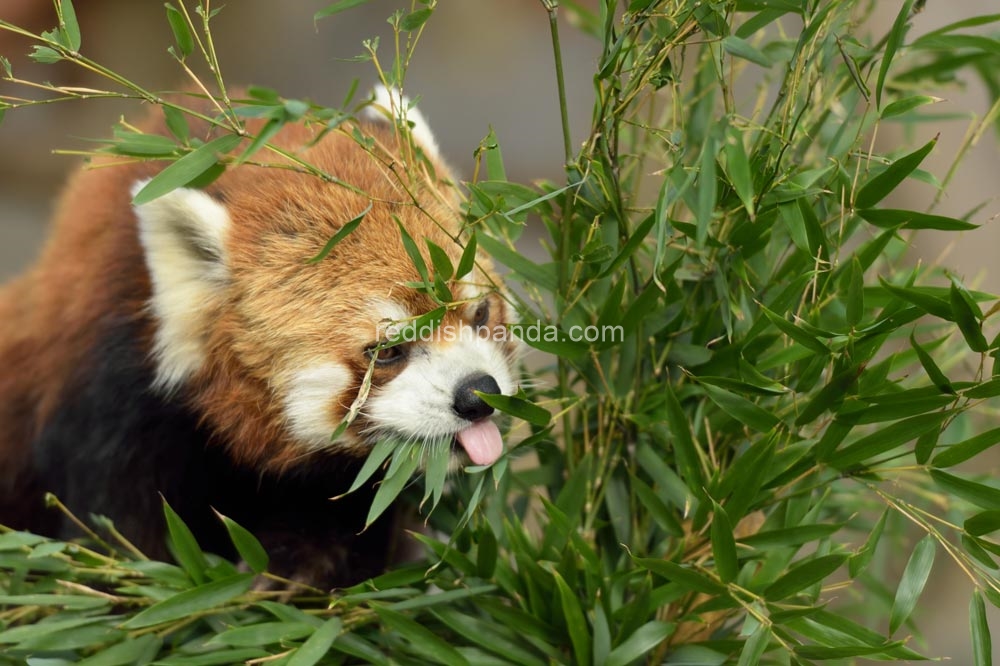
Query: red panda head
{"points": [[273, 349]]}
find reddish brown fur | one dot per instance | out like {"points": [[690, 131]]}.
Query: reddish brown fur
{"points": [[93, 262]]}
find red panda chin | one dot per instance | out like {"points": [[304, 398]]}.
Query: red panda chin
{"points": [[188, 348]]}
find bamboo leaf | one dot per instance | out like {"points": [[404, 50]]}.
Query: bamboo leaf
{"points": [[723, 545], [741, 48], [879, 186], [983, 496], [423, 641], [247, 545], [983, 523], [738, 166], [915, 576], [803, 575], [754, 647], [639, 643], [892, 43], [181, 30], [967, 321], [186, 169], [982, 643], [317, 645], [336, 8], [468, 260], [185, 546], [189, 602], [966, 449], [934, 373], [519, 407], [341, 234], [576, 623]]}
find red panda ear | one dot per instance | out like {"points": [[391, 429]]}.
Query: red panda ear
{"points": [[183, 239], [390, 104]]}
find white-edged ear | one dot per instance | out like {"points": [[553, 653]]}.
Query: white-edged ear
{"points": [[183, 238], [391, 103]]}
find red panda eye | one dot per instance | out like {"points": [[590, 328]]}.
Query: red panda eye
{"points": [[386, 355], [482, 315]]}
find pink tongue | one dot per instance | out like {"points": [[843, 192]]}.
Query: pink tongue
{"points": [[482, 442]]}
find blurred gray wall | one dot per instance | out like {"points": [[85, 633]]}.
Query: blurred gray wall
{"points": [[480, 64]]}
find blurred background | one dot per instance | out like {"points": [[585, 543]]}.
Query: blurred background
{"points": [[480, 65]]}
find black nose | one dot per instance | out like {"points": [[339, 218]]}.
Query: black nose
{"points": [[467, 404]]}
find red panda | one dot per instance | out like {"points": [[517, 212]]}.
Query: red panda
{"points": [[185, 347]]}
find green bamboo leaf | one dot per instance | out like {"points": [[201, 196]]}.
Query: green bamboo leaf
{"points": [[723, 545], [974, 548], [185, 547], [542, 276], [406, 460], [659, 511], [468, 260], [707, 189], [755, 645], [967, 321], [888, 438], [131, 651], [934, 373], [983, 496], [686, 453], [988, 389], [422, 641], [69, 27], [336, 8], [854, 293], [790, 536], [741, 409], [741, 48], [576, 623], [982, 643], [135, 144], [927, 302], [519, 407], [915, 576], [639, 643], [414, 253], [983, 523], [924, 447], [889, 218], [494, 637], [907, 104], [198, 599], [262, 633], [186, 169], [738, 166], [966, 449], [685, 577], [803, 575], [246, 544], [378, 455], [892, 43], [317, 645], [440, 260], [176, 123], [796, 333], [181, 30], [341, 234], [879, 186], [414, 20]]}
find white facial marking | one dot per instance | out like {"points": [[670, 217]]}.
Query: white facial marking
{"points": [[418, 402], [394, 105], [308, 402], [183, 236]]}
